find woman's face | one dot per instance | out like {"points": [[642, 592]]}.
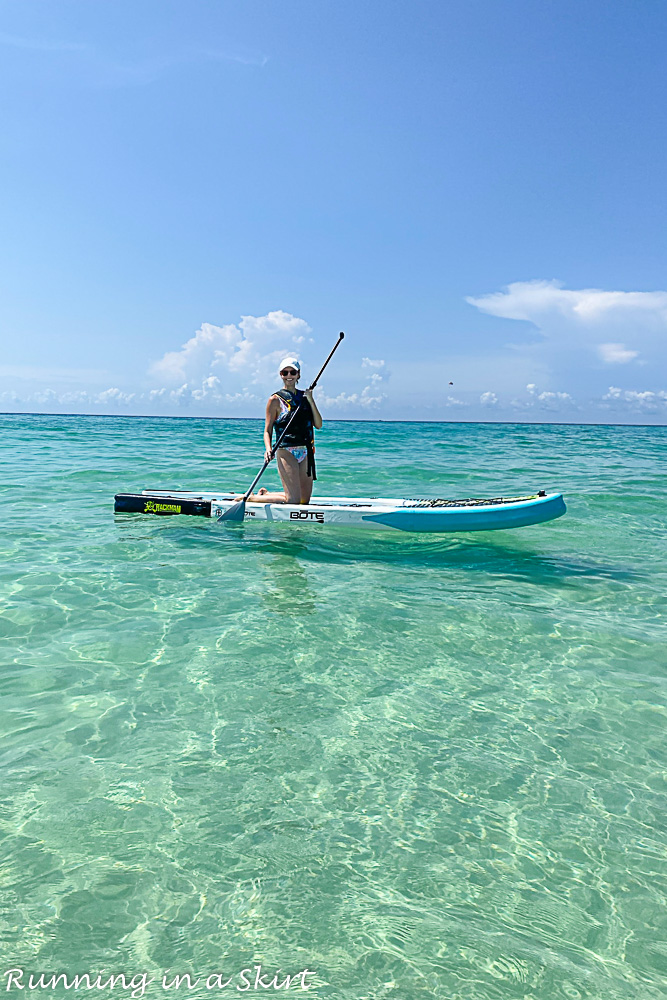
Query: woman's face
{"points": [[290, 376]]}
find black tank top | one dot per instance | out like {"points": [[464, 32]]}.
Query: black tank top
{"points": [[301, 431]]}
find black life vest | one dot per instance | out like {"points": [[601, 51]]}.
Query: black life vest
{"points": [[301, 432]]}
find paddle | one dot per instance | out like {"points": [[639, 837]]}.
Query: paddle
{"points": [[237, 511]]}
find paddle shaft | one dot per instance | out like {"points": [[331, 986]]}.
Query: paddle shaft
{"points": [[287, 425]]}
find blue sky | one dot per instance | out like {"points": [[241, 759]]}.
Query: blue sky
{"points": [[472, 189]]}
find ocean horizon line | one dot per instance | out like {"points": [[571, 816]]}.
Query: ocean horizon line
{"points": [[336, 420]]}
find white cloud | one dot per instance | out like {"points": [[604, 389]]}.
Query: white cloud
{"points": [[227, 370], [645, 399], [210, 387], [547, 396], [40, 374], [195, 357], [115, 395], [247, 57], [370, 397], [553, 400], [102, 67], [245, 351], [573, 330], [616, 354], [540, 302], [237, 365], [45, 397], [39, 44]]}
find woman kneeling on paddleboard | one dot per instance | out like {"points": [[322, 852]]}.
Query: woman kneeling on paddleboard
{"points": [[296, 454]]}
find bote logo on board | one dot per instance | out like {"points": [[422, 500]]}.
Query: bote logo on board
{"points": [[307, 515]]}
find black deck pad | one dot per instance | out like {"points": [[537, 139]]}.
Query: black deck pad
{"points": [[139, 503]]}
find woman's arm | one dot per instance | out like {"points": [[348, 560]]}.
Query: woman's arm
{"points": [[317, 416], [272, 410]]}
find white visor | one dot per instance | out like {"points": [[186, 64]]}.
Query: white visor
{"points": [[289, 363]]}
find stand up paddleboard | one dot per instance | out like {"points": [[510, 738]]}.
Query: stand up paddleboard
{"points": [[431, 515]]}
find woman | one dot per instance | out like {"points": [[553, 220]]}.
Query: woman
{"points": [[296, 454]]}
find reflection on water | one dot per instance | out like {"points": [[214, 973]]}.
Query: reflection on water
{"points": [[421, 766], [288, 591]]}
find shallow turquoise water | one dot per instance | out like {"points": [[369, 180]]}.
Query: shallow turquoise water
{"points": [[418, 766]]}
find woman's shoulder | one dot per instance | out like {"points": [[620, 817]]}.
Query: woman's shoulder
{"points": [[277, 401], [286, 396]]}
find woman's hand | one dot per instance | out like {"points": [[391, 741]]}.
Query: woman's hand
{"points": [[317, 416], [268, 455]]}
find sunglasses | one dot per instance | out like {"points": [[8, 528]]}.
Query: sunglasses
{"points": [[287, 372]]}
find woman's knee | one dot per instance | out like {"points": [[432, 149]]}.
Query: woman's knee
{"points": [[306, 488]]}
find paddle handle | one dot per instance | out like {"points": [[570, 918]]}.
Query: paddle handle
{"points": [[333, 351], [261, 472], [257, 478], [310, 389]]}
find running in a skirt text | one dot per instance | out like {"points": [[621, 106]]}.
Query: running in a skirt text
{"points": [[135, 985]]}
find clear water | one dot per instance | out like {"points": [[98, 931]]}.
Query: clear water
{"points": [[418, 766]]}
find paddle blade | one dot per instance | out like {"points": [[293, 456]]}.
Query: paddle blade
{"points": [[234, 513]]}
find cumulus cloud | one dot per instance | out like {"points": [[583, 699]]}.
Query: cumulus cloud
{"points": [[574, 333], [221, 370], [540, 302], [210, 387], [616, 354], [371, 394], [116, 396], [547, 396], [646, 399], [554, 400], [247, 350], [559, 367], [369, 397], [236, 365], [194, 359]]}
